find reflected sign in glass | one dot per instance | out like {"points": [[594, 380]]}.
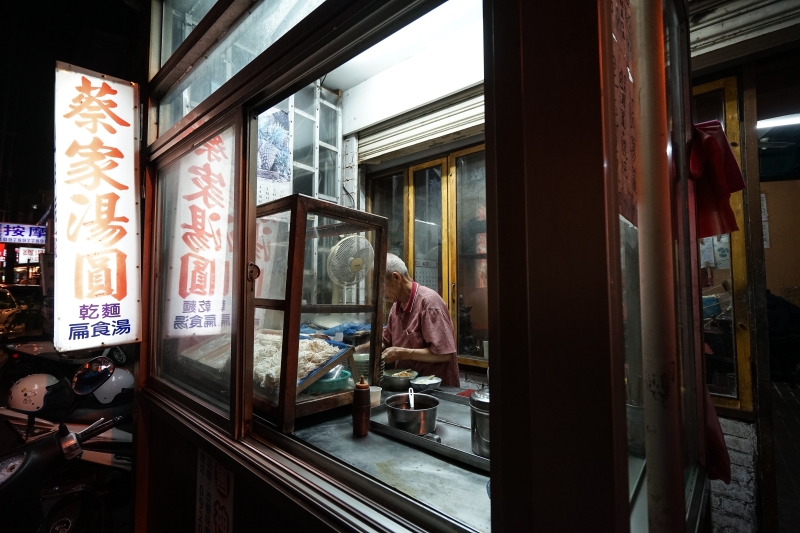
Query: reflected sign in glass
{"points": [[22, 233], [97, 270], [198, 295]]}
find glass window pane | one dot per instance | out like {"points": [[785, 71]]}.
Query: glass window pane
{"points": [[303, 141], [632, 327], [255, 32], [328, 170], [318, 348], [272, 256], [716, 282], [303, 182], [473, 312], [197, 307], [339, 260], [267, 346], [331, 286], [388, 200], [305, 99], [428, 227], [179, 18], [291, 158], [274, 156], [328, 125]]}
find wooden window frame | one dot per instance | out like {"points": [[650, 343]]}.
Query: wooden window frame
{"points": [[225, 422], [440, 162], [452, 176]]}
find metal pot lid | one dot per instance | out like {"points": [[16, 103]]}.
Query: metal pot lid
{"points": [[480, 399]]}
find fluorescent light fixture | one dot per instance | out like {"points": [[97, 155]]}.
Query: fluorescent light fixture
{"points": [[785, 120]]}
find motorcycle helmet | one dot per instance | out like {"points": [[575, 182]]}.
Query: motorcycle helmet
{"points": [[120, 379], [29, 394]]}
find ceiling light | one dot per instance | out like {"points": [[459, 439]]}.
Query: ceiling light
{"points": [[786, 120]]}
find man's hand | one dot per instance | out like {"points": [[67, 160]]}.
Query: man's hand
{"points": [[393, 353], [362, 348]]}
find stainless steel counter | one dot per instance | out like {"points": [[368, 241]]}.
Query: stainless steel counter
{"points": [[444, 485]]}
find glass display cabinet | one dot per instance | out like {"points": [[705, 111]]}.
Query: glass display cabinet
{"points": [[317, 294]]}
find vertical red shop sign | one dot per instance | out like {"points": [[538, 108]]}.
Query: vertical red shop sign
{"points": [[198, 286], [97, 238]]}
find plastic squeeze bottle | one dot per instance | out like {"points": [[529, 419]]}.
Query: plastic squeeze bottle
{"points": [[361, 409]]}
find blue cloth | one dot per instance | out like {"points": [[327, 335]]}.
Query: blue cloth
{"points": [[349, 328], [711, 306]]}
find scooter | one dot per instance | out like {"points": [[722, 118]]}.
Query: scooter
{"points": [[31, 499], [114, 398]]}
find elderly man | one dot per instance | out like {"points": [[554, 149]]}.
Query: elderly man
{"points": [[418, 333]]}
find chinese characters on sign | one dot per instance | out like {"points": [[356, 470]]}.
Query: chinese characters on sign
{"points": [[23, 233], [97, 268], [198, 285], [214, 509]]}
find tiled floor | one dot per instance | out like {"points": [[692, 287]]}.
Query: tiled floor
{"points": [[786, 422]]}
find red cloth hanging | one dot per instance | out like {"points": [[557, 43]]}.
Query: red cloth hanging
{"points": [[717, 175]]}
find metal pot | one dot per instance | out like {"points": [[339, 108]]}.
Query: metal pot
{"points": [[479, 415], [420, 420]]}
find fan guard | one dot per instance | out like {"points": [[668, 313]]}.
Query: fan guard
{"points": [[350, 260]]}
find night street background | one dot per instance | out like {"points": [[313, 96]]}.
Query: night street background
{"points": [[99, 35]]}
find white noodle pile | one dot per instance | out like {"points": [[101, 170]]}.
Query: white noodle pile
{"points": [[267, 358]]}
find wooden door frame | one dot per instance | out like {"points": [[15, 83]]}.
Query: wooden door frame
{"points": [[739, 268], [452, 176]]}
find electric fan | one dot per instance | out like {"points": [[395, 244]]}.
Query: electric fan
{"points": [[350, 260]]}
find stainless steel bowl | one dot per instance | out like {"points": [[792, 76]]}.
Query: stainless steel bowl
{"points": [[393, 383], [420, 420], [431, 383]]}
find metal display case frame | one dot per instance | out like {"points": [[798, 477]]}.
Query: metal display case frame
{"points": [[299, 207]]}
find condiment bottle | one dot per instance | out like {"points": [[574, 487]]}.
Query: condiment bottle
{"points": [[361, 409]]}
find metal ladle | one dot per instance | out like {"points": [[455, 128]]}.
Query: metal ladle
{"points": [[411, 397]]}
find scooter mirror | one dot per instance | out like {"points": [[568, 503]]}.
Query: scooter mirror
{"points": [[92, 375]]}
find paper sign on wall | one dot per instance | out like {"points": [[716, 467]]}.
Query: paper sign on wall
{"points": [[426, 273], [722, 251], [214, 508], [707, 253], [97, 238]]}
